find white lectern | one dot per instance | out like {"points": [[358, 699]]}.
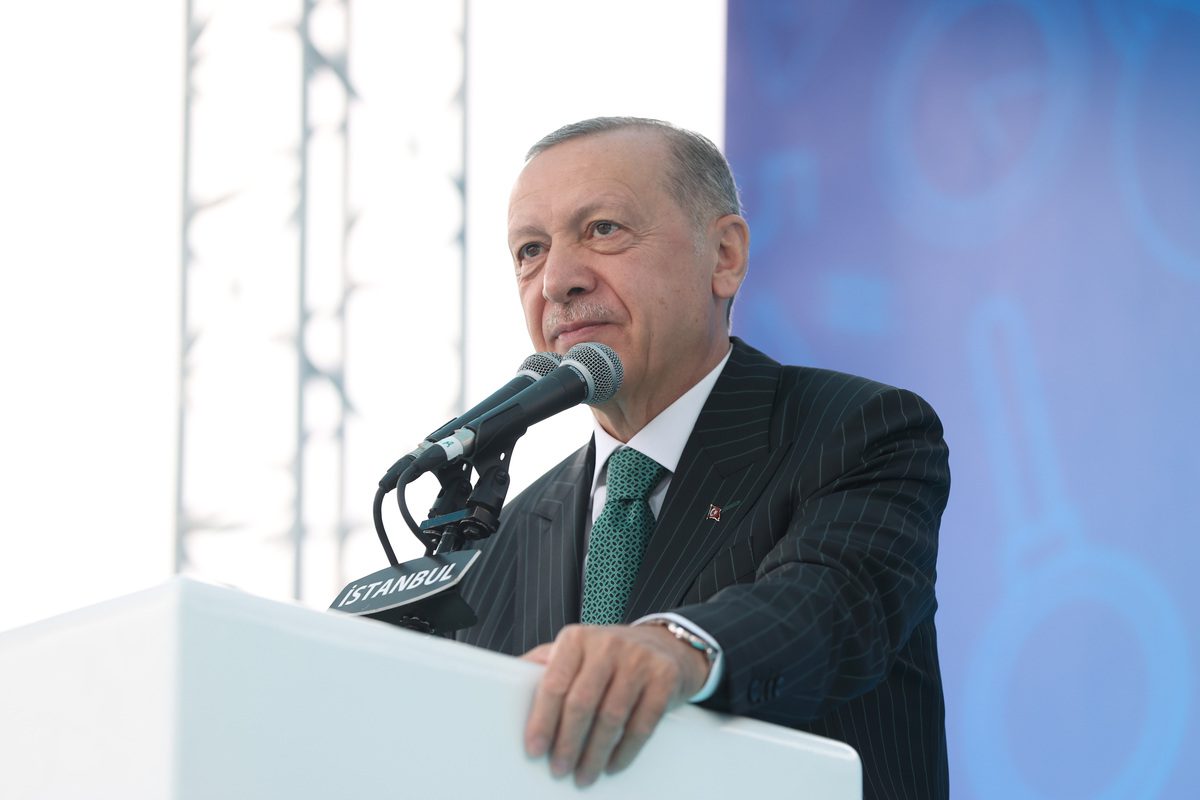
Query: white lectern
{"points": [[196, 691]]}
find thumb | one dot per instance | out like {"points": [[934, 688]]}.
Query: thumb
{"points": [[540, 654]]}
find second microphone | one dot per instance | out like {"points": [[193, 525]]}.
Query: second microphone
{"points": [[590, 373]]}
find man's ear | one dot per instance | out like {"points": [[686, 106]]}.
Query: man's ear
{"points": [[731, 235]]}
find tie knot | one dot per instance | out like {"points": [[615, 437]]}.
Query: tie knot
{"points": [[632, 475]]}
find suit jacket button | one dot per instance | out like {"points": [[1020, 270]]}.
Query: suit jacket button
{"points": [[755, 691]]}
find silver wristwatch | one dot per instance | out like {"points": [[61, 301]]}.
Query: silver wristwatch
{"points": [[684, 635]]}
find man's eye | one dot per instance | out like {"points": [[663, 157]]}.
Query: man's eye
{"points": [[531, 250], [605, 228]]}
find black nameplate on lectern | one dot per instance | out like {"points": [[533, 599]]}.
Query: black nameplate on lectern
{"points": [[421, 594]]}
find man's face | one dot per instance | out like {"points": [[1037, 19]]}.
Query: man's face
{"points": [[603, 253]]}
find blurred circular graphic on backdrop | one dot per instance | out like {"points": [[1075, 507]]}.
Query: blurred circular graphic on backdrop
{"points": [[976, 112]]}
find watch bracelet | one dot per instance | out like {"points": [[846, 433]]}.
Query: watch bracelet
{"points": [[688, 637]]}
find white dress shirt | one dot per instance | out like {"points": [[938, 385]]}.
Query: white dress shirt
{"points": [[663, 440]]}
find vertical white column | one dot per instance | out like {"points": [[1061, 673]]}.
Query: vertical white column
{"points": [[239, 447]]}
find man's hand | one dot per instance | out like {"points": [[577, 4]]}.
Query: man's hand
{"points": [[604, 690]]}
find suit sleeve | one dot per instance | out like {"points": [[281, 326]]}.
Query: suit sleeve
{"points": [[842, 589]]}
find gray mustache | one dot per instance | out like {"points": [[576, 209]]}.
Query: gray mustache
{"points": [[577, 312]]}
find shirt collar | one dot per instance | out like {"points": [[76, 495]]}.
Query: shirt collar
{"points": [[665, 436]]}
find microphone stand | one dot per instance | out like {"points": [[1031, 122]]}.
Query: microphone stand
{"points": [[422, 595], [441, 525], [476, 515]]}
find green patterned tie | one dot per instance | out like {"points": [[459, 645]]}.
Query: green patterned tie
{"points": [[619, 537]]}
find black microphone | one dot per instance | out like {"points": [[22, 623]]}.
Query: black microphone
{"points": [[532, 369], [590, 373]]}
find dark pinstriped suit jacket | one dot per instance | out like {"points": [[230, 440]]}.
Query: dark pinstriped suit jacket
{"points": [[818, 579]]}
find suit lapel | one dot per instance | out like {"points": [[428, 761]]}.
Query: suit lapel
{"points": [[550, 553], [725, 462]]}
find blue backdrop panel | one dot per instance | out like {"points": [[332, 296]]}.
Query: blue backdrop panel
{"points": [[997, 204]]}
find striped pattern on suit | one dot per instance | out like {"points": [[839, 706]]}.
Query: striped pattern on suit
{"points": [[818, 579]]}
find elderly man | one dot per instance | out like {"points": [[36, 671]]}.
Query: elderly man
{"points": [[755, 538]]}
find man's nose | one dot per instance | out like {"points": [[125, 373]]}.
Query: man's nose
{"points": [[566, 274]]}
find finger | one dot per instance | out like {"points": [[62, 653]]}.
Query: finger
{"points": [[540, 654], [561, 665], [651, 706], [579, 711], [608, 728]]}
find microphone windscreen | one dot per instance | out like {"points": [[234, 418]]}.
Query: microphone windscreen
{"points": [[539, 365], [600, 367]]}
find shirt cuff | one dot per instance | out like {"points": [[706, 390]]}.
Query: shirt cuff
{"points": [[715, 672]]}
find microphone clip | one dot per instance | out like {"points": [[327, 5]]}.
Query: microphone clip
{"points": [[462, 513]]}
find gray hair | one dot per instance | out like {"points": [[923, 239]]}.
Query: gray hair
{"points": [[700, 179]]}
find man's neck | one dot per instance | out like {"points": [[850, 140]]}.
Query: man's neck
{"points": [[623, 417]]}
